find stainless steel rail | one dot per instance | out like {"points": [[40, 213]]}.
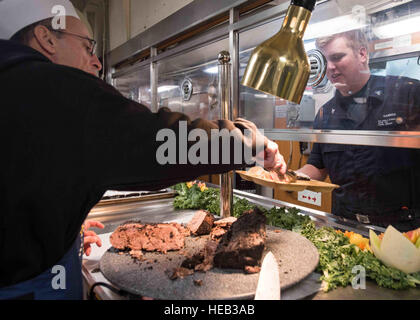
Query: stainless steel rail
{"points": [[226, 183], [319, 217], [403, 139]]}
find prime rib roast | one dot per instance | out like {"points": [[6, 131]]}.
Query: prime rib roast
{"points": [[232, 243], [160, 237]]}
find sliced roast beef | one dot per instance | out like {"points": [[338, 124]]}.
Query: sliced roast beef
{"points": [[160, 237], [201, 223], [221, 227], [203, 260], [225, 221], [244, 243], [120, 237]]}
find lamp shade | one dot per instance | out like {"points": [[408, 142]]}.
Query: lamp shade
{"points": [[279, 66]]}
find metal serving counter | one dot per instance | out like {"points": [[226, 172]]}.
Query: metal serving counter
{"points": [[160, 209]]}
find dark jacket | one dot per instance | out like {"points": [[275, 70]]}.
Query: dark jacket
{"points": [[374, 181], [67, 137]]}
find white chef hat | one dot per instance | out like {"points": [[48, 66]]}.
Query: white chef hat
{"points": [[18, 14]]}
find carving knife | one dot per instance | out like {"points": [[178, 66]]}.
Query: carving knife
{"points": [[268, 287]]}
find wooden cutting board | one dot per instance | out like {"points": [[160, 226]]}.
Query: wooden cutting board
{"points": [[298, 185]]}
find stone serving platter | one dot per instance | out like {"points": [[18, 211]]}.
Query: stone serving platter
{"points": [[297, 258]]}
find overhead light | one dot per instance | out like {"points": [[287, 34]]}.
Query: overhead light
{"points": [[212, 70], [398, 28], [279, 66], [333, 26]]}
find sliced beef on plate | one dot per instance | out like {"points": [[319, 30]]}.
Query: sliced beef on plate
{"points": [[244, 243], [221, 227], [225, 222], [160, 237], [120, 237], [202, 261], [201, 223], [259, 172], [279, 177]]}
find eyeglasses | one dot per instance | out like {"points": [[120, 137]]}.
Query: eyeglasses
{"points": [[91, 49]]}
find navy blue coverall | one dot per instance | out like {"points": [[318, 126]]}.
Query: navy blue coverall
{"points": [[382, 183]]}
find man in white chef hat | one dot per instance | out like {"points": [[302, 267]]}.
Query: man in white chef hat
{"points": [[68, 137], [53, 28]]}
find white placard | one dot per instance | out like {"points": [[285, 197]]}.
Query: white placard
{"points": [[311, 197]]}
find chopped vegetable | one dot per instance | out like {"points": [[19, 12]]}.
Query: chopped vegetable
{"points": [[192, 195], [289, 218], [413, 235], [337, 257], [357, 239]]}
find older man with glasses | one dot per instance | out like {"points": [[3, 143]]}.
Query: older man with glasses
{"points": [[67, 137], [90, 47], [72, 47]]}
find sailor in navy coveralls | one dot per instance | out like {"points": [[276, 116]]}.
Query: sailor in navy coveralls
{"points": [[378, 185]]}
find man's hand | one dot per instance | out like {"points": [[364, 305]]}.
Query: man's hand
{"points": [[90, 236], [313, 172], [271, 158]]}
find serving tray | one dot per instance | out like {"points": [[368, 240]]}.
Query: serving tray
{"points": [[296, 255], [298, 185]]}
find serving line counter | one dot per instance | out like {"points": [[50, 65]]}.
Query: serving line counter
{"points": [[159, 208]]}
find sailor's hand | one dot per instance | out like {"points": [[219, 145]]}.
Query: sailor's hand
{"points": [[90, 237]]}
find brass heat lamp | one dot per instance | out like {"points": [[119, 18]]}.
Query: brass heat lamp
{"points": [[280, 66]]}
